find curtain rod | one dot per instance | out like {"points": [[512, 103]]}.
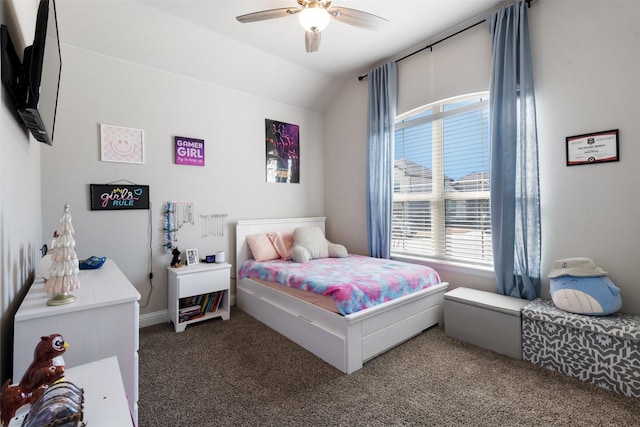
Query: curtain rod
{"points": [[430, 46]]}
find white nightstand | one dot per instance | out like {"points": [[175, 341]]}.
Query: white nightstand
{"points": [[198, 292]]}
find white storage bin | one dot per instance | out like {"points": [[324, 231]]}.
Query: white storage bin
{"points": [[485, 319]]}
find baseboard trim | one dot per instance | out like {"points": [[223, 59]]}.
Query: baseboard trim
{"points": [[150, 319]]}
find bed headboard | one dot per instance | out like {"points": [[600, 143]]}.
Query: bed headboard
{"points": [[254, 226]]}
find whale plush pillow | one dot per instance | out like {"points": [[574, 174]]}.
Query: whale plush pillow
{"points": [[596, 296]]}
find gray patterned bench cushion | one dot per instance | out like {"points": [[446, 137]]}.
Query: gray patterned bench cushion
{"points": [[604, 351], [618, 325]]}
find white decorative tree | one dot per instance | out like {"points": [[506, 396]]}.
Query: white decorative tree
{"points": [[63, 272]]}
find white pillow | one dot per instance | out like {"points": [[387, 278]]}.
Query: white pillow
{"points": [[309, 243], [312, 240]]}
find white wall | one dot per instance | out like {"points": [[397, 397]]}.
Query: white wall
{"points": [[586, 61], [456, 66], [20, 229], [98, 89], [345, 151]]}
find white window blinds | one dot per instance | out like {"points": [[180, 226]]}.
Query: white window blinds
{"points": [[441, 182]]}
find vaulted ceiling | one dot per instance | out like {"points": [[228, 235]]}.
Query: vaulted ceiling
{"points": [[202, 39]]}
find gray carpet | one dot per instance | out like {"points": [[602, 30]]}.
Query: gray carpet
{"points": [[241, 373]]}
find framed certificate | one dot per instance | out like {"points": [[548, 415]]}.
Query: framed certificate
{"points": [[596, 147]]}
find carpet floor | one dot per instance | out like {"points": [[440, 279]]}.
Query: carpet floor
{"points": [[239, 372]]}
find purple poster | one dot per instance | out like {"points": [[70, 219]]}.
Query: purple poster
{"points": [[189, 151], [283, 152]]}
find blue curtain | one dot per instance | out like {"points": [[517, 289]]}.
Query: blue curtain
{"points": [[515, 194], [383, 95]]}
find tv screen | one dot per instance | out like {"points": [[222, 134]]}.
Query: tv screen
{"points": [[42, 65], [33, 84]]}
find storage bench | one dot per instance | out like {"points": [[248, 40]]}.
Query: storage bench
{"points": [[485, 319], [602, 350]]}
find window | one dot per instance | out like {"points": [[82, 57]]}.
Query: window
{"points": [[441, 182]]}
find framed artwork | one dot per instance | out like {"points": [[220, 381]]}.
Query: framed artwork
{"points": [[192, 257], [598, 147], [282, 152], [189, 151], [121, 144]]}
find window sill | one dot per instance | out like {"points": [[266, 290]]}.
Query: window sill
{"points": [[455, 267]]}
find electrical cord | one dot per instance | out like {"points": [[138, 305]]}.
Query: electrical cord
{"points": [[150, 265]]}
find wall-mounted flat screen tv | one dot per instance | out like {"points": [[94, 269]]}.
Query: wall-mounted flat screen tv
{"points": [[34, 84]]}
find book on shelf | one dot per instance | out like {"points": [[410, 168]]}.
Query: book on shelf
{"points": [[187, 302], [192, 317], [205, 302], [184, 316], [212, 298], [216, 301], [219, 301], [197, 306], [189, 311]]}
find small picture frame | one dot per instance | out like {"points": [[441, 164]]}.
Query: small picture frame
{"points": [[192, 257], [598, 147], [121, 144]]}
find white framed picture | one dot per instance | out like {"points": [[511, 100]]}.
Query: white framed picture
{"points": [[121, 144], [192, 257]]}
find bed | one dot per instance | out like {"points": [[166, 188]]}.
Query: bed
{"points": [[343, 341]]}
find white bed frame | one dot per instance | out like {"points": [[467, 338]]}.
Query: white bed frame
{"points": [[345, 342]]}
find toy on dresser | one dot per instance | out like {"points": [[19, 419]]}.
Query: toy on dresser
{"points": [[46, 368], [175, 261]]}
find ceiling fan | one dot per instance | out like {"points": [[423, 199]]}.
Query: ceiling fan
{"points": [[314, 16]]}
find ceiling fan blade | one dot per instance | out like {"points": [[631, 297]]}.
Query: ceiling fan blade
{"points": [[311, 41], [357, 18], [267, 14]]}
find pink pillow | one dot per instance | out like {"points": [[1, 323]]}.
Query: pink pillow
{"points": [[261, 247], [283, 242]]}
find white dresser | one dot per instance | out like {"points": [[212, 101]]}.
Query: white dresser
{"points": [[101, 323], [105, 403]]}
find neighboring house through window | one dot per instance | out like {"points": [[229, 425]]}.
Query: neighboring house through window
{"points": [[441, 182]]}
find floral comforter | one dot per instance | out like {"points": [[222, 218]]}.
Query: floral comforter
{"points": [[355, 283]]}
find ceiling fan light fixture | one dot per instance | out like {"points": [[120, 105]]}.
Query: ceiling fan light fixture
{"points": [[314, 18]]}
